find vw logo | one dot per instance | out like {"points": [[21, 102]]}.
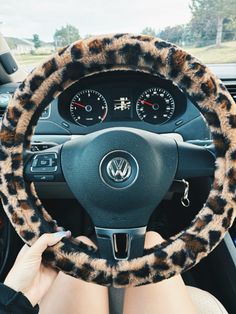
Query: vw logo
{"points": [[119, 169]]}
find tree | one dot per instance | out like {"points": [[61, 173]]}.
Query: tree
{"points": [[173, 34], [209, 17], [36, 41], [149, 31], [88, 36], [229, 29], [66, 35]]}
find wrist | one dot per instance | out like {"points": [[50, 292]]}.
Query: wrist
{"points": [[32, 299], [15, 302], [12, 284], [17, 287]]}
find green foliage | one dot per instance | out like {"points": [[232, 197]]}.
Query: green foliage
{"points": [[36, 41], [88, 36], [66, 35], [229, 32], [149, 31], [212, 21], [213, 8], [173, 34]]}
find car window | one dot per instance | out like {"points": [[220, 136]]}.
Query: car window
{"points": [[36, 29]]}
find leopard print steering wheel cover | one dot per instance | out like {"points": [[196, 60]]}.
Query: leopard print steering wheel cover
{"points": [[110, 53]]}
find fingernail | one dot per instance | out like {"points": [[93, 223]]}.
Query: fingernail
{"points": [[62, 234], [60, 229], [68, 233]]}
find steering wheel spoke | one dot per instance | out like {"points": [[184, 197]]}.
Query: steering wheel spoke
{"points": [[44, 166], [195, 161], [120, 244]]}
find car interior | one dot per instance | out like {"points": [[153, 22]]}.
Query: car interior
{"points": [[133, 102]]}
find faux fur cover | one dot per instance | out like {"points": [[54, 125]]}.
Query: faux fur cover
{"points": [[109, 53]]}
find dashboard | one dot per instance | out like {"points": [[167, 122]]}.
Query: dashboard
{"points": [[117, 99], [131, 99]]}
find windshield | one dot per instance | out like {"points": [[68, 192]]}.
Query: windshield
{"points": [[34, 30]]}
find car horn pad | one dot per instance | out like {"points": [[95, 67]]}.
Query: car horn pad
{"points": [[110, 53]]}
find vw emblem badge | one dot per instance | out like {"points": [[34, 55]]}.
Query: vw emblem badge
{"points": [[119, 169]]}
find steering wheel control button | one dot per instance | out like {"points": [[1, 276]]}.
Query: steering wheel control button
{"points": [[43, 177], [38, 146], [118, 169], [44, 163]]}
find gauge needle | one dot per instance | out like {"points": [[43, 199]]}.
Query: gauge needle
{"points": [[79, 104], [147, 103]]}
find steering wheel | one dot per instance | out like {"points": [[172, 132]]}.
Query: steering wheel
{"points": [[120, 175]]}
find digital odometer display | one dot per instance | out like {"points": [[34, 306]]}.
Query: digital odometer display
{"points": [[122, 106]]}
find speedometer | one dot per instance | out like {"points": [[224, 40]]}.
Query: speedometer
{"points": [[88, 107], [155, 106]]}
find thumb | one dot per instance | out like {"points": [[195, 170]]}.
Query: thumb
{"points": [[47, 239]]}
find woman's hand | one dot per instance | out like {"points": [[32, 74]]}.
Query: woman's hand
{"points": [[28, 275]]}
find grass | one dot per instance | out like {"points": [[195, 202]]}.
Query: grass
{"points": [[209, 54], [29, 60]]}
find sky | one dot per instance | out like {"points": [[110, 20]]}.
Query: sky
{"points": [[23, 18]]}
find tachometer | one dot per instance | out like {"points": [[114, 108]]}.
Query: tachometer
{"points": [[155, 105], [88, 107]]}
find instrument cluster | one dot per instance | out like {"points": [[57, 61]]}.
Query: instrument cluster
{"points": [[121, 98]]}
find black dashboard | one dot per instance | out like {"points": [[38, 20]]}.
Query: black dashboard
{"points": [[122, 99]]}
